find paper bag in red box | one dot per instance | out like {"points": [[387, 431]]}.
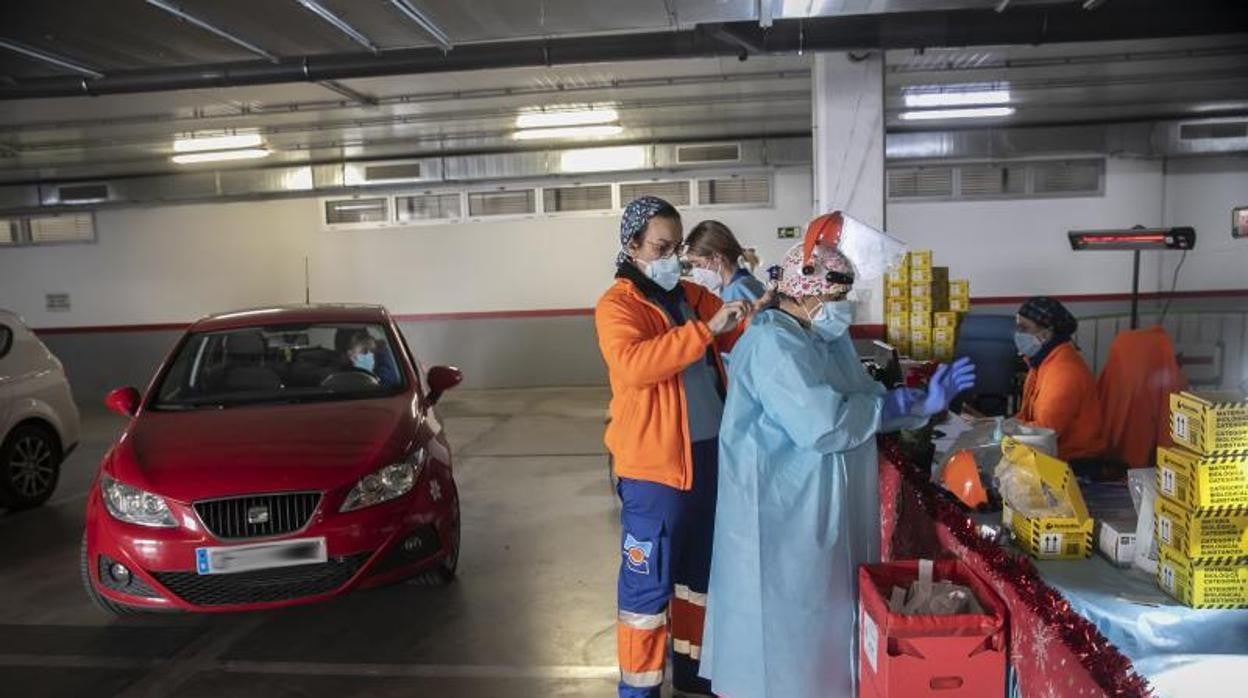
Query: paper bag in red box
{"points": [[956, 656]]}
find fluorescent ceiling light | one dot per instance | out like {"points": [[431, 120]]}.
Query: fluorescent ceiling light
{"points": [[567, 132], [567, 117], [624, 157], [238, 140], [976, 113], [957, 98], [220, 155]]}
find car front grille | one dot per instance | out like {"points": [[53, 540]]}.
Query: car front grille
{"points": [[257, 516], [262, 586]]}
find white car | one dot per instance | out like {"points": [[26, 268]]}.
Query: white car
{"points": [[38, 418]]}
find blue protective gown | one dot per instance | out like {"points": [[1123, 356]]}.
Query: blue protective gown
{"points": [[744, 286], [798, 511]]}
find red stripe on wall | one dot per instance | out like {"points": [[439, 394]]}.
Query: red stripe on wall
{"points": [[857, 331], [1101, 297]]}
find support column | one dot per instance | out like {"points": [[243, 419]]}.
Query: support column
{"points": [[848, 137]]}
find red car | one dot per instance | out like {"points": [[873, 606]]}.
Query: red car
{"points": [[281, 456]]}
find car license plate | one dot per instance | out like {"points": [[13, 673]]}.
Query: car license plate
{"points": [[260, 556]]}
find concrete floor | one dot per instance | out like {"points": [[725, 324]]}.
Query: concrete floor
{"points": [[532, 613]]}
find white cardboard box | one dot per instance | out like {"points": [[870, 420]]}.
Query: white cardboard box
{"points": [[1115, 538]]}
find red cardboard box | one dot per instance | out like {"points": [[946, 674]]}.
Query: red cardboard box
{"points": [[960, 656]]}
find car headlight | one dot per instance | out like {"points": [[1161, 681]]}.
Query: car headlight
{"points": [[384, 484], [135, 506]]}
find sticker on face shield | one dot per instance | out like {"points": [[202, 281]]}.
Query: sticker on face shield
{"points": [[637, 554]]}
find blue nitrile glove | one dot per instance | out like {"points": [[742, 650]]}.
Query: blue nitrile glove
{"points": [[944, 386], [899, 403]]}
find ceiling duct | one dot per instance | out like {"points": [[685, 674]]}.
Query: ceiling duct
{"points": [[302, 180], [1202, 137]]}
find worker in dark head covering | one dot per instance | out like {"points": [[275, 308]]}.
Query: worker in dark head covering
{"points": [[1060, 392]]}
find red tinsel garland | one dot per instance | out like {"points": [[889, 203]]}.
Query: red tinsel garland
{"points": [[1111, 670]]}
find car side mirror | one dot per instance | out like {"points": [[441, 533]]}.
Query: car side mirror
{"points": [[442, 379], [123, 401]]}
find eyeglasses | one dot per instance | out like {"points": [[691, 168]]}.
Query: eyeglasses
{"points": [[666, 248]]}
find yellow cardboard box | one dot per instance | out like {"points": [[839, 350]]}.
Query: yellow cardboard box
{"points": [[948, 319], [959, 288], [1204, 484], [920, 259], [1049, 537], [920, 335], [944, 335], [1201, 538], [937, 277], [942, 352], [928, 305], [1202, 585], [897, 307], [920, 351], [901, 291], [900, 274], [897, 335], [959, 305], [921, 320], [1210, 422]]}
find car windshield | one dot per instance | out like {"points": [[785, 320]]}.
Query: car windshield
{"points": [[279, 364]]}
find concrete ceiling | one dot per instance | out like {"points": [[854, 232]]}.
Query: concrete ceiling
{"points": [[688, 99]]}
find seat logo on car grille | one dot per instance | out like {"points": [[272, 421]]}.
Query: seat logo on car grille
{"points": [[258, 514]]}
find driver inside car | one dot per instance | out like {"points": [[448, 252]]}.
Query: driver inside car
{"points": [[362, 352]]}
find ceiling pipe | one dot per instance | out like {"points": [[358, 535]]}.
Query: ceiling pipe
{"points": [[50, 59], [210, 28], [424, 22], [338, 23], [1066, 23]]}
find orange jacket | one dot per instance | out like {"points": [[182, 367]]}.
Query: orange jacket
{"points": [[648, 435], [1061, 394], [1135, 388]]}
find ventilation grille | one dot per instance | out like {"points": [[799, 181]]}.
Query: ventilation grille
{"points": [[8, 230], [734, 190], [356, 211], [1226, 129], [57, 302], [991, 180], [502, 203], [74, 227], [1066, 177], [674, 192], [595, 197], [428, 207], [708, 153], [82, 193], [394, 171], [920, 182]]}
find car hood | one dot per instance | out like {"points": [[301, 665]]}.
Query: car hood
{"points": [[214, 453]]}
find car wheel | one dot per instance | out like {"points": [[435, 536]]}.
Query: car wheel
{"points": [[445, 571], [30, 465], [105, 604]]}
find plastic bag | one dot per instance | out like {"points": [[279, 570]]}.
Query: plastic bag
{"points": [[1025, 492], [925, 597], [1143, 485]]}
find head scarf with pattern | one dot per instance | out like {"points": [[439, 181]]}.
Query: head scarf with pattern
{"points": [[637, 215], [1051, 314]]}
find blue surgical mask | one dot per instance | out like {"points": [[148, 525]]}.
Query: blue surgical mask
{"points": [[366, 361], [1027, 344], [664, 271], [832, 319]]}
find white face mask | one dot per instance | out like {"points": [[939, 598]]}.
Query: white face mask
{"points": [[664, 271], [710, 279], [832, 319]]}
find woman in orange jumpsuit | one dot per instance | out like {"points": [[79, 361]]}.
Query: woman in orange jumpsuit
{"points": [[1060, 392]]}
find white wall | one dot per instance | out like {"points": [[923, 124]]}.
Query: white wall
{"points": [[1020, 248], [172, 264], [1201, 193]]}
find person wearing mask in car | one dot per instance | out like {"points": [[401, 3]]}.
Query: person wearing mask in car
{"points": [[362, 352], [661, 340], [721, 264]]}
